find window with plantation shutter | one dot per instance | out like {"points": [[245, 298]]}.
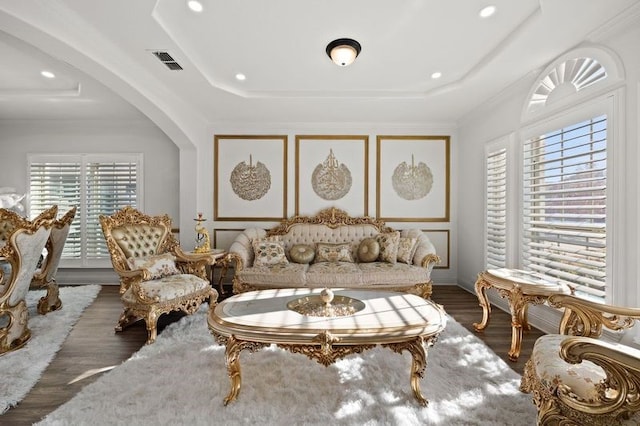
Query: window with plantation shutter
{"points": [[96, 184], [564, 215], [496, 209]]}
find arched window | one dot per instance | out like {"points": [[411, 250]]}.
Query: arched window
{"points": [[565, 157]]}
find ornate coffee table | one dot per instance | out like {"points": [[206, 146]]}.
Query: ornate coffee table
{"points": [[326, 326], [520, 288]]}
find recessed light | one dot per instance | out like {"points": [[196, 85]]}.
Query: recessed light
{"points": [[487, 11], [195, 5], [47, 74], [436, 74], [241, 77]]}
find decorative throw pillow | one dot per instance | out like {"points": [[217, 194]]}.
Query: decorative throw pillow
{"points": [[388, 246], [302, 253], [326, 252], [268, 252], [406, 249], [368, 250], [159, 266]]}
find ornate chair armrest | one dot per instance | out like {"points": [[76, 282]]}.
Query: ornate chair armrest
{"points": [[429, 261], [235, 260], [586, 318], [133, 274], [622, 366]]}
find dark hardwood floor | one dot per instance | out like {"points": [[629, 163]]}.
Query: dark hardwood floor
{"points": [[93, 344]]}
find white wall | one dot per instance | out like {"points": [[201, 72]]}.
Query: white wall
{"points": [[160, 155], [501, 117], [206, 174]]}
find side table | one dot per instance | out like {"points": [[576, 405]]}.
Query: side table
{"points": [[520, 288], [218, 258]]}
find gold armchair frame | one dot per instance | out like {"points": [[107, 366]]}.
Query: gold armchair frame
{"points": [[155, 237], [45, 278], [24, 241], [618, 395]]}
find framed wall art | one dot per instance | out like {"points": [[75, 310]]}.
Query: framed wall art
{"points": [[440, 239], [332, 171], [250, 177], [412, 178]]}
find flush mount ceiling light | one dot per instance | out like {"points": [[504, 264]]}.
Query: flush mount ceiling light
{"points": [[487, 11], [195, 5], [343, 51], [47, 74]]}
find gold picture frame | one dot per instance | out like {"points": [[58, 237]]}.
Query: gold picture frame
{"points": [[332, 171], [250, 176], [413, 178]]}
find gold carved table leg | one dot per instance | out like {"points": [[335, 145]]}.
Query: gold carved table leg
{"points": [[481, 291], [416, 348], [232, 352]]}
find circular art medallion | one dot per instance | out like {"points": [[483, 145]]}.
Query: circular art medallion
{"points": [[330, 180], [412, 182], [250, 182]]}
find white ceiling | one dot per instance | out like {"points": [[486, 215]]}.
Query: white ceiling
{"points": [[101, 54]]}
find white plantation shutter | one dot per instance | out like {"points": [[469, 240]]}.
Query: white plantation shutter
{"points": [[96, 184], [496, 209], [57, 183], [564, 216]]}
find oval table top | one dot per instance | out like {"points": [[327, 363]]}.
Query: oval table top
{"points": [[384, 317], [530, 283]]}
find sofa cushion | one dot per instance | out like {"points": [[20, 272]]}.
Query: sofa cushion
{"points": [[278, 275], [333, 252], [302, 253], [406, 249], [268, 252], [159, 266], [368, 250], [388, 246], [395, 274], [334, 274]]}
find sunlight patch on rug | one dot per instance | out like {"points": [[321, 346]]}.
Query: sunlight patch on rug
{"points": [[21, 369], [182, 379]]}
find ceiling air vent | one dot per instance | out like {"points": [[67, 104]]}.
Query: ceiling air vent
{"points": [[166, 59]]}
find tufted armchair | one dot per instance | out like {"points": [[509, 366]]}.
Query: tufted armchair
{"points": [[23, 242], [156, 276], [45, 276], [577, 379]]}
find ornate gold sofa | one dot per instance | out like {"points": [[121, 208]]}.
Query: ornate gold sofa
{"points": [[21, 251], [332, 229], [156, 276], [45, 276], [577, 379]]}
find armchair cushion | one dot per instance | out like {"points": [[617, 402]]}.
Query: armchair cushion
{"points": [[169, 287], [553, 371], [159, 266]]}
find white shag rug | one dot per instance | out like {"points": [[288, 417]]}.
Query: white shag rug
{"points": [[21, 369], [182, 379]]}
